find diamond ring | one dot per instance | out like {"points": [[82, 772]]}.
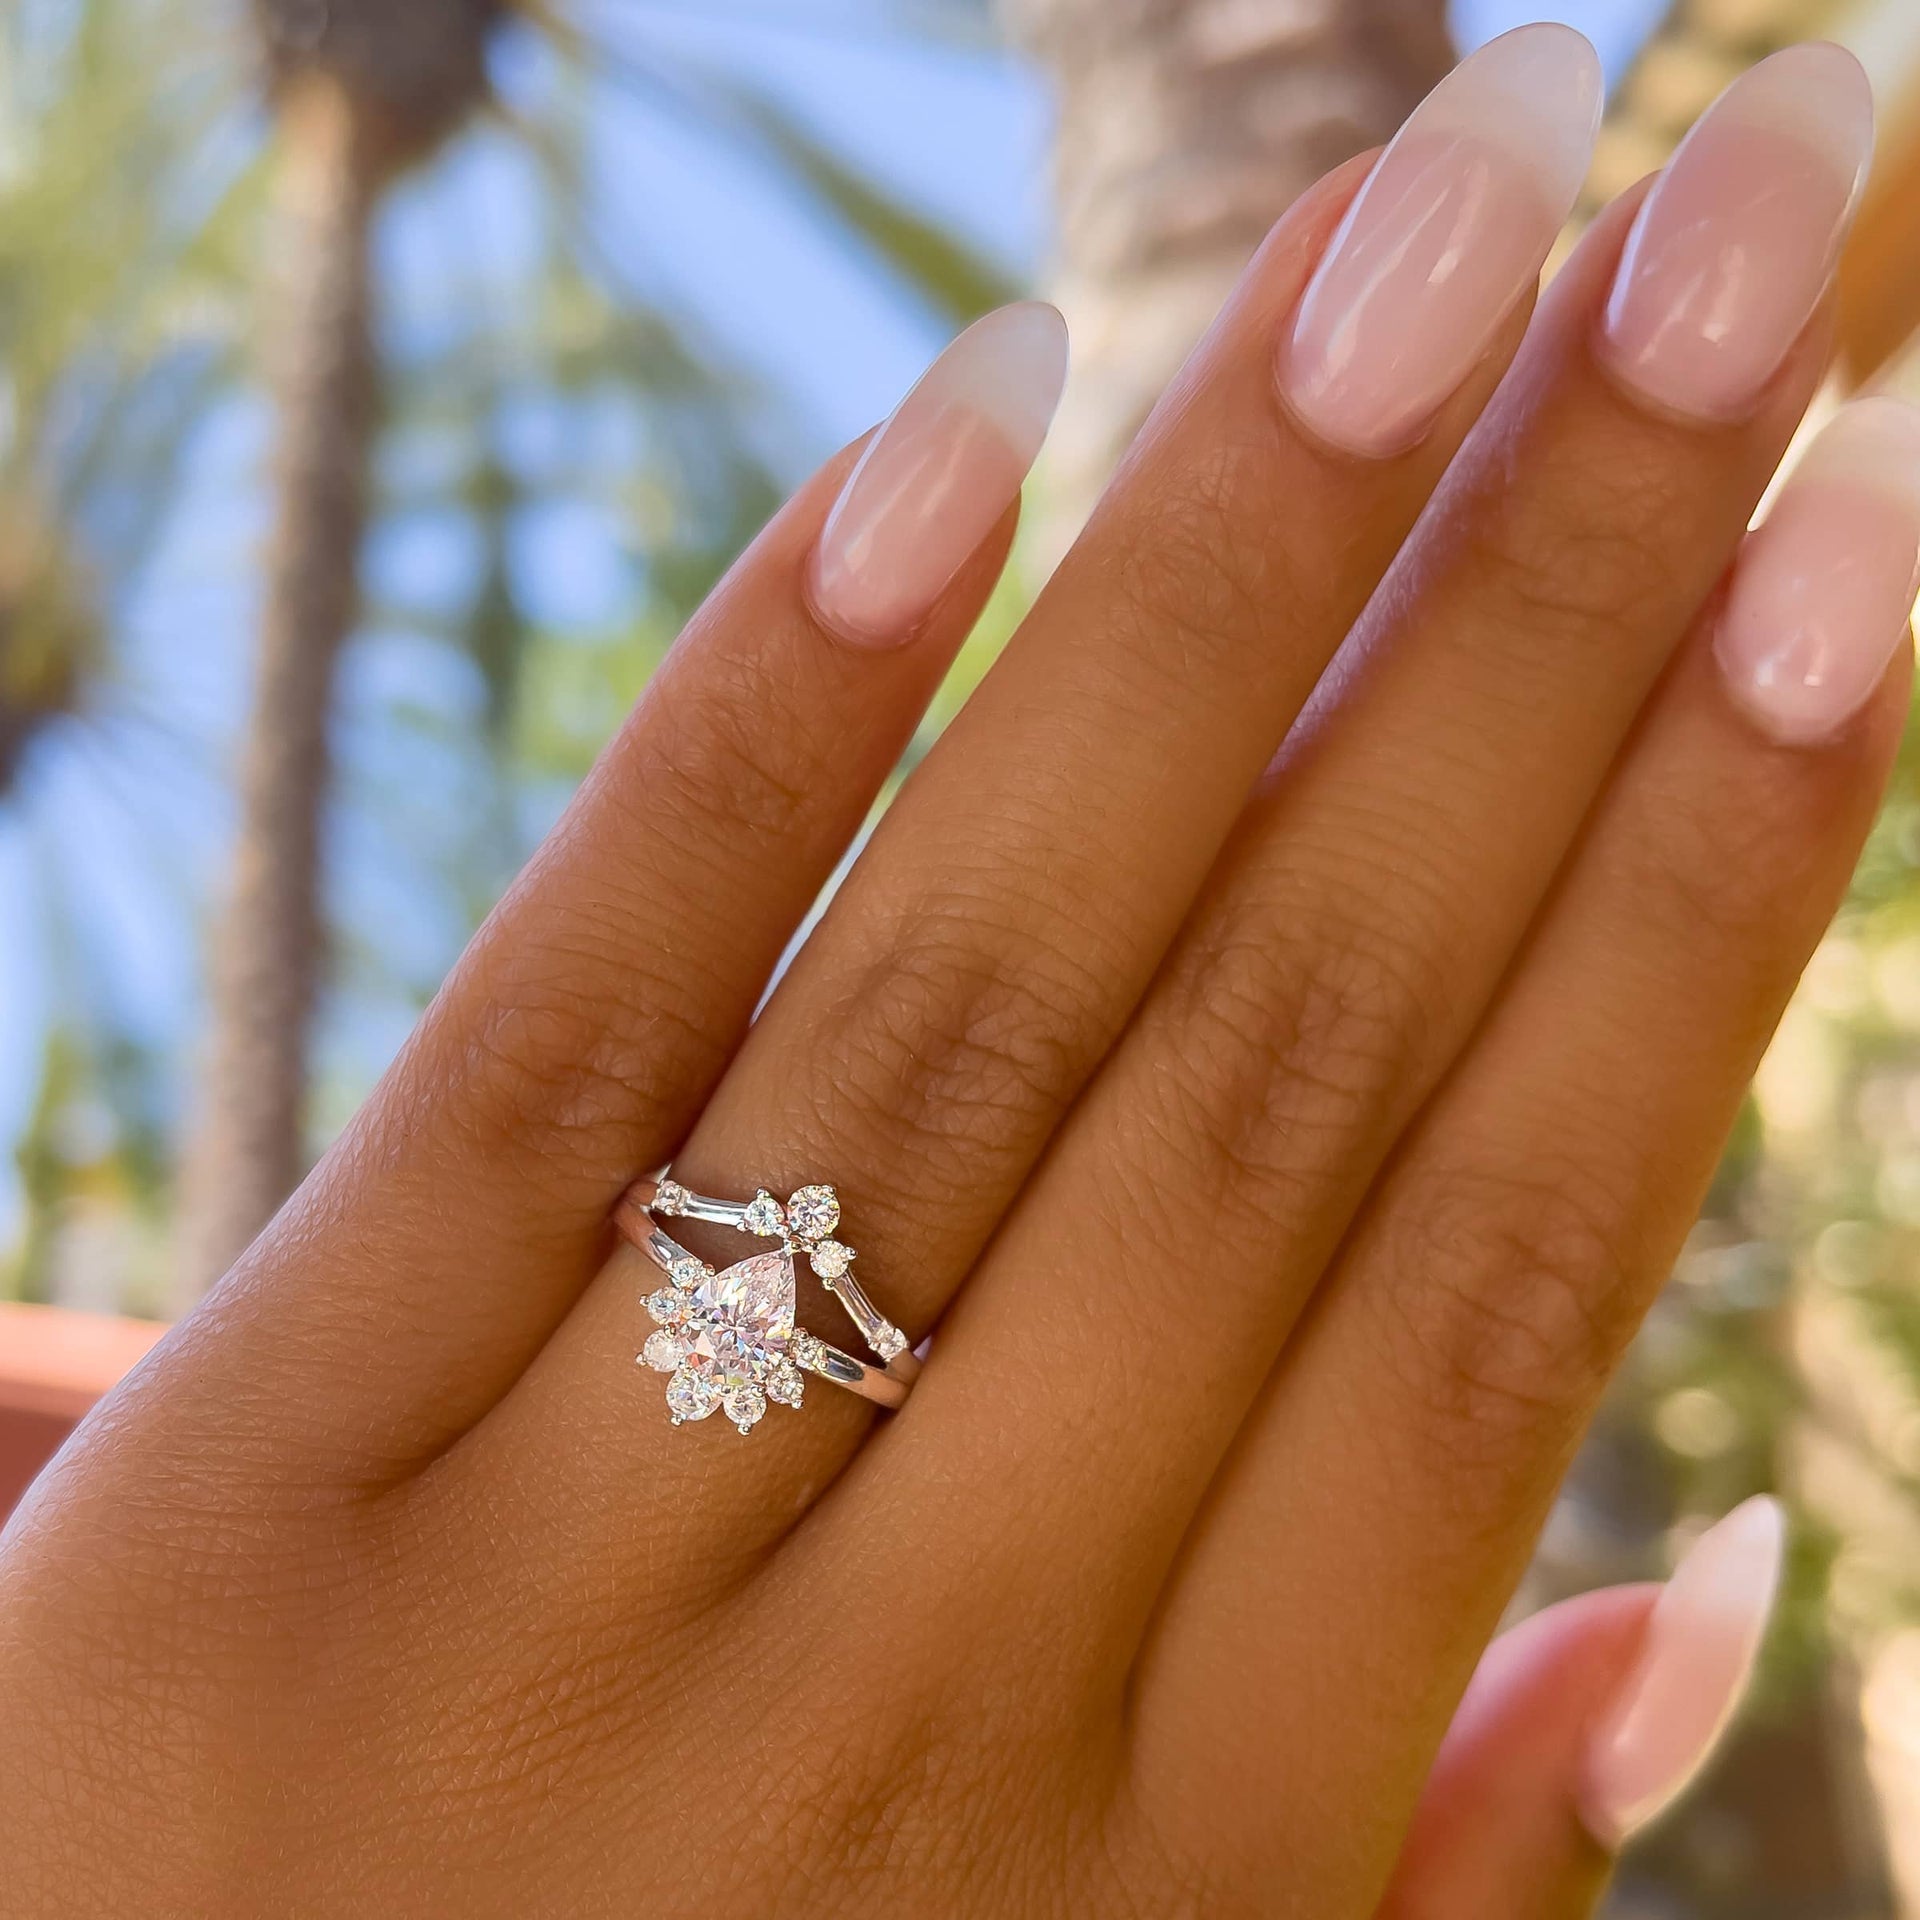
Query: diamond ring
{"points": [[727, 1335]]}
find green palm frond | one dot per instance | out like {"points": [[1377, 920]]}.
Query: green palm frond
{"points": [[954, 278], [119, 294]]}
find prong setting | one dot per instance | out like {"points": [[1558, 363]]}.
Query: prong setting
{"points": [[726, 1336]]}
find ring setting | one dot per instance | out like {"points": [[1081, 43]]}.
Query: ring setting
{"points": [[727, 1336]]}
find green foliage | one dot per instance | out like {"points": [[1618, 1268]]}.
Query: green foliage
{"points": [[954, 278], [119, 274]]}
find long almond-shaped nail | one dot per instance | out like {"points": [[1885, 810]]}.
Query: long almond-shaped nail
{"points": [[1446, 234], [1730, 252], [1669, 1712], [939, 474], [1823, 590]]}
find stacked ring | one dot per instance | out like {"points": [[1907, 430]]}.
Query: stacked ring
{"points": [[727, 1336]]}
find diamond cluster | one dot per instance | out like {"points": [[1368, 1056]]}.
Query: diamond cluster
{"points": [[724, 1337], [727, 1337]]}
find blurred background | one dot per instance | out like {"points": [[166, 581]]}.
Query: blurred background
{"points": [[380, 386]]}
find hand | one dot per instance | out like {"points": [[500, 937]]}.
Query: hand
{"points": [[1283, 1157]]}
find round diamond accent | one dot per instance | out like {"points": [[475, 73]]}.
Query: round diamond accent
{"points": [[830, 1259], [745, 1405], [808, 1350], [663, 1352], [785, 1383], [669, 1197], [889, 1342], [689, 1272], [667, 1307], [814, 1212], [689, 1397], [762, 1215]]}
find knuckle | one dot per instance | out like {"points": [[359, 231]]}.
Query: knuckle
{"points": [[720, 770], [1579, 551], [1280, 1045], [1510, 1297], [550, 1042], [878, 1799], [972, 1030], [1715, 859], [1197, 579]]}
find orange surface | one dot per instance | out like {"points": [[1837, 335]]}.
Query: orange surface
{"points": [[53, 1366], [54, 1361]]}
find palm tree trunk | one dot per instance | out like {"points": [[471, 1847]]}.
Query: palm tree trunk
{"points": [[248, 1148], [1186, 128]]}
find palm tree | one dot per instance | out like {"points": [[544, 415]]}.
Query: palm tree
{"points": [[119, 287], [362, 90], [1184, 132], [114, 323]]}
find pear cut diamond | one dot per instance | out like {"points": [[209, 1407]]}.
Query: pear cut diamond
{"points": [[730, 1340], [728, 1335], [753, 1298]]}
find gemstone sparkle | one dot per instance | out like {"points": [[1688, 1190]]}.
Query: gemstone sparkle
{"points": [[830, 1259], [813, 1212], [762, 1215], [729, 1344], [689, 1397], [667, 1307], [663, 1352], [745, 1405]]}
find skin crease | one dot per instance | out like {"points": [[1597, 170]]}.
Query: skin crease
{"points": [[383, 1586]]}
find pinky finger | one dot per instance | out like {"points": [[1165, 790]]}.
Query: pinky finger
{"points": [[1582, 1726]]}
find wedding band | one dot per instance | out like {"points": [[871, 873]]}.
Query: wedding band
{"points": [[727, 1335]]}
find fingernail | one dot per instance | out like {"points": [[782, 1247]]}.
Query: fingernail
{"points": [[1448, 232], [1693, 1667], [938, 475], [1730, 252], [1823, 590]]}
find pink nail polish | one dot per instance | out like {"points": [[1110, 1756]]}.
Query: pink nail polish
{"points": [[938, 475], [1730, 252], [1449, 230], [1823, 590], [1669, 1712]]}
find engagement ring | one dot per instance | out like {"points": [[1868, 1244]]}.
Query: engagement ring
{"points": [[727, 1335]]}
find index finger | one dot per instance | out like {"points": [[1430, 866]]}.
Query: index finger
{"points": [[461, 1211]]}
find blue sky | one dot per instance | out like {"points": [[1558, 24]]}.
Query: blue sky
{"points": [[129, 835]]}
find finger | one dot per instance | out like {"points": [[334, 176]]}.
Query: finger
{"points": [[1498, 1828], [1409, 1445], [1014, 902], [1346, 948], [458, 1216], [1581, 1727]]}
